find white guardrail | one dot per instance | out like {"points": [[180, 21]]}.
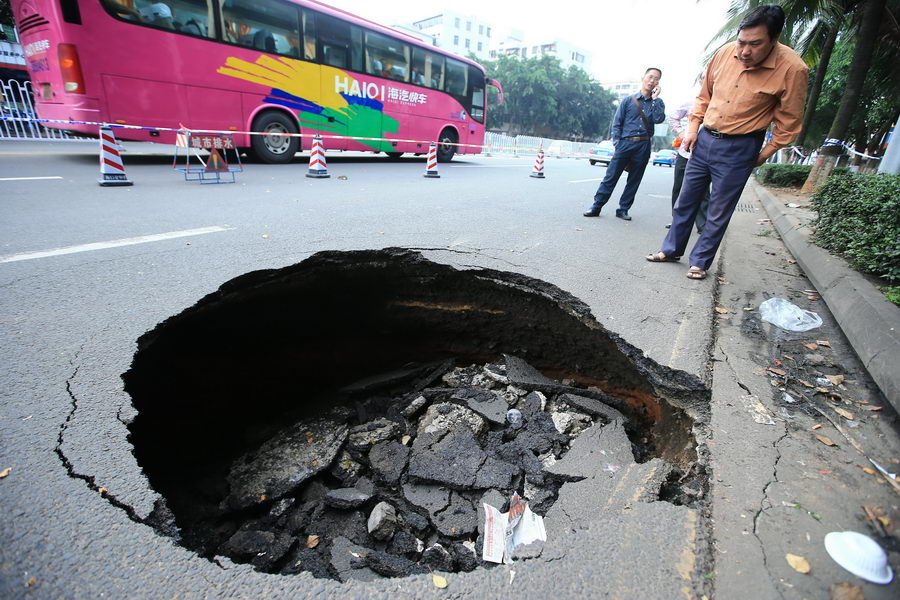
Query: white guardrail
{"points": [[17, 101]]}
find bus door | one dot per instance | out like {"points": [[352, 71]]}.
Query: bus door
{"points": [[340, 48]]}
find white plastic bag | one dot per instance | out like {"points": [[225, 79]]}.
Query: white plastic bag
{"points": [[791, 317]]}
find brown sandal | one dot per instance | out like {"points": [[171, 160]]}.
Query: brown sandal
{"points": [[660, 257], [696, 273]]}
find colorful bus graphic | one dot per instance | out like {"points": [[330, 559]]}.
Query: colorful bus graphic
{"points": [[273, 66]]}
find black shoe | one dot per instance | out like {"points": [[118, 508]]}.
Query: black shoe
{"points": [[669, 226], [623, 214], [592, 213]]}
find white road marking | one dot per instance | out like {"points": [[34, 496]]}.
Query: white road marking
{"points": [[143, 239], [583, 180], [28, 178]]}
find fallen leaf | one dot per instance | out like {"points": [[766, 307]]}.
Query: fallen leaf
{"points": [[835, 379], [825, 440], [102, 490], [806, 383], [822, 390], [816, 426], [439, 580], [759, 371], [781, 372], [405, 439], [798, 563], [845, 591], [789, 357], [5, 472], [868, 470], [844, 413], [825, 343], [312, 541], [262, 498], [722, 311], [885, 522], [31, 581], [811, 346], [874, 408]]}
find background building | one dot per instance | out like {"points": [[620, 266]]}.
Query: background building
{"points": [[622, 88], [515, 44], [458, 33]]}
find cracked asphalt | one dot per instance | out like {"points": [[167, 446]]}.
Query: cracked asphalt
{"points": [[74, 502]]}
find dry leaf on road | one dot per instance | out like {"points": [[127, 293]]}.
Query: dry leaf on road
{"points": [[798, 563], [806, 383], [874, 408], [781, 372], [312, 541], [722, 311], [5, 472], [816, 426], [835, 379], [844, 413], [439, 581], [811, 346], [845, 591], [825, 343], [825, 440]]}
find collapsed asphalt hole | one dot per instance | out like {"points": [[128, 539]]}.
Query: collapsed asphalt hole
{"points": [[349, 414]]}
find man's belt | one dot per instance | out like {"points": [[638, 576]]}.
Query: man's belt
{"points": [[637, 138], [720, 135]]}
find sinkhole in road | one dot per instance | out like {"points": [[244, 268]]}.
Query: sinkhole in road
{"points": [[349, 415]]}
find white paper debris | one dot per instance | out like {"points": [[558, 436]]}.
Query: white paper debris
{"points": [[504, 532]]}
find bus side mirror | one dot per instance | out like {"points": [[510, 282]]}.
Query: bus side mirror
{"points": [[496, 84]]}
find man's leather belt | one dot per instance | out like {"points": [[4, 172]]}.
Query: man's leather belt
{"points": [[637, 138], [720, 135]]}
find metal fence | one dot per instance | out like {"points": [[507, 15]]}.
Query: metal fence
{"points": [[17, 105], [500, 143]]}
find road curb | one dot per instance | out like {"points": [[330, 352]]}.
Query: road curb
{"points": [[870, 322]]}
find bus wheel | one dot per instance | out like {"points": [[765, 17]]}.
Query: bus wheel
{"points": [[276, 148], [394, 155], [445, 151]]}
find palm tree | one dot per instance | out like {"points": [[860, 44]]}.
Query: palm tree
{"points": [[870, 22]]}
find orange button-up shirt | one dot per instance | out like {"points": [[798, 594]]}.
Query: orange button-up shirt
{"points": [[737, 99]]}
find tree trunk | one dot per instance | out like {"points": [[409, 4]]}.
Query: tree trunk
{"points": [[816, 90], [873, 11]]}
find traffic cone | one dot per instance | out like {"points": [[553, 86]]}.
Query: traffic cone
{"points": [[538, 170], [431, 162], [318, 167], [112, 170]]}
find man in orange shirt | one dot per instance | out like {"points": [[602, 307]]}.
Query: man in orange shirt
{"points": [[748, 85]]}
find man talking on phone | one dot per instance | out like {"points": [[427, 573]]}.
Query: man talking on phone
{"points": [[632, 130]]}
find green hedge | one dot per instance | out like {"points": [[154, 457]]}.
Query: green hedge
{"points": [[786, 175], [859, 218]]}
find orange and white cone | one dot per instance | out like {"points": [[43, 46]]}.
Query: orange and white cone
{"points": [[112, 170], [431, 169], [318, 167], [538, 170]]}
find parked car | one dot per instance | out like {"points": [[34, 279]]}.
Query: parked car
{"points": [[665, 157], [602, 153]]}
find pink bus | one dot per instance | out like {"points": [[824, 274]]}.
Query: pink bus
{"points": [[273, 66]]}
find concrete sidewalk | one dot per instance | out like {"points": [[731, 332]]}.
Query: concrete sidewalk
{"points": [[870, 322]]}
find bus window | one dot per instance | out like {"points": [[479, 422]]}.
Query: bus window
{"points": [[334, 41], [427, 68], [476, 80], [190, 16], [386, 57], [309, 35], [456, 82], [268, 26]]}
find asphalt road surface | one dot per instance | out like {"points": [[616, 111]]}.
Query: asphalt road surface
{"points": [[86, 270]]}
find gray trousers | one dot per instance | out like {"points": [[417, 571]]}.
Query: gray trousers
{"points": [[727, 163]]}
